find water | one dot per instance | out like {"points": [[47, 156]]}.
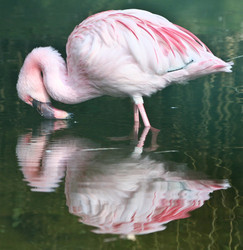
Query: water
{"points": [[82, 184]]}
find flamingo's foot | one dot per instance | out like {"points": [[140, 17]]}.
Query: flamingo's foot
{"points": [[153, 145], [139, 141]]}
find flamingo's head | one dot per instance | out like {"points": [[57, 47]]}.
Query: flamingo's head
{"points": [[31, 88]]}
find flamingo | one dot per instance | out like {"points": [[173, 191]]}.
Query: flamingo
{"points": [[118, 53]]}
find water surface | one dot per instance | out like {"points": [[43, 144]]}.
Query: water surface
{"points": [[83, 184]]}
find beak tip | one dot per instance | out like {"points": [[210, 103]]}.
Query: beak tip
{"points": [[62, 115], [69, 116]]}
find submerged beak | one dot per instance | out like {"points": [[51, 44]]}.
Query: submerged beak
{"points": [[46, 110]]}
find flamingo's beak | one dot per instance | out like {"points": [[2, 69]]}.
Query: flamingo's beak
{"points": [[46, 110]]}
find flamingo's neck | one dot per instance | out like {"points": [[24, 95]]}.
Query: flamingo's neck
{"points": [[60, 85]]}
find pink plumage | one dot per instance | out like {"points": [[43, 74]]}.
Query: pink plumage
{"points": [[118, 53]]}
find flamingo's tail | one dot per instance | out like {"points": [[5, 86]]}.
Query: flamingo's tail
{"points": [[198, 69]]}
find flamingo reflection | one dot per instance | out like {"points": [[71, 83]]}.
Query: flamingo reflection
{"points": [[113, 189]]}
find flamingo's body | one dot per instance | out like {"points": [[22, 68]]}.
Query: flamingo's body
{"points": [[119, 53]]}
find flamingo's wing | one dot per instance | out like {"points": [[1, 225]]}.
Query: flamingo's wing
{"points": [[135, 46], [152, 41]]}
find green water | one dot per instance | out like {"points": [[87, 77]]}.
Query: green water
{"points": [[80, 184]]}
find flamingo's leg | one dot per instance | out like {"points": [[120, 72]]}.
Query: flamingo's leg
{"points": [[139, 148], [136, 114], [138, 100], [143, 115], [136, 122], [143, 137]]}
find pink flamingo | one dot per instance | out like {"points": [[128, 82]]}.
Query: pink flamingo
{"points": [[118, 53]]}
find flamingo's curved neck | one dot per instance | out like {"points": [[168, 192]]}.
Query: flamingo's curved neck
{"points": [[60, 85]]}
